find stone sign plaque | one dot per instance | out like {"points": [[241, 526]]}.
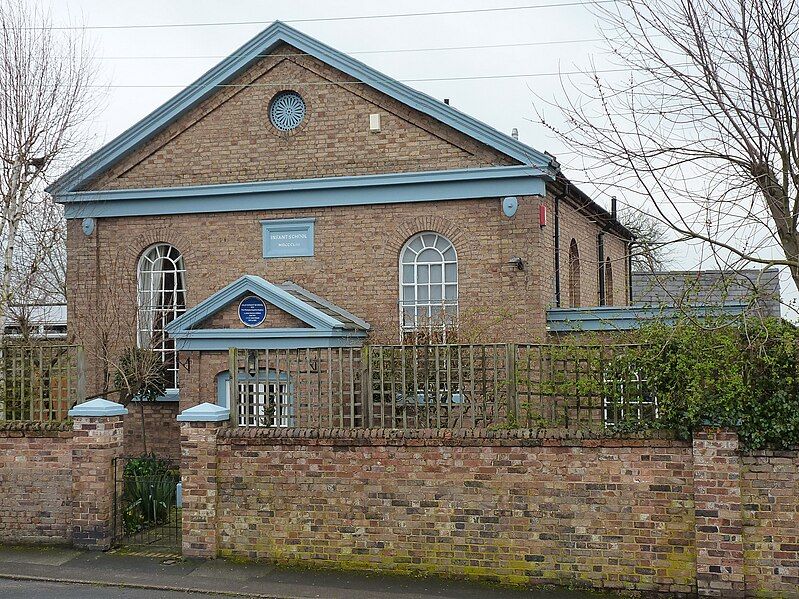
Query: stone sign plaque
{"points": [[286, 238]]}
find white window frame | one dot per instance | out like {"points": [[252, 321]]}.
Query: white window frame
{"points": [[263, 397], [154, 312], [430, 240], [633, 403]]}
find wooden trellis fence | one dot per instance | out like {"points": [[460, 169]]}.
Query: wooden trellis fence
{"points": [[40, 382], [438, 386]]}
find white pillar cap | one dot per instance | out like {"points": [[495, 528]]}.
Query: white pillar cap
{"points": [[205, 412], [98, 407]]}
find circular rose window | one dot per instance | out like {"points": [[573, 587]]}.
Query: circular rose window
{"points": [[287, 110]]}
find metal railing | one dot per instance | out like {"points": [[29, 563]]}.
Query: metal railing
{"points": [[40, 382], [439, 386]]}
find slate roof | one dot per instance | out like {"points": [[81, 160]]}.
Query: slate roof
{"points": [[759, 290], [349, 320]]}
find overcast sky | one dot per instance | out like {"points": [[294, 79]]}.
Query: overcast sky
{"points": [[133, 60]]}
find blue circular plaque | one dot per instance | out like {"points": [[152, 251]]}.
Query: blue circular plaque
{"points": [[252, 311]]}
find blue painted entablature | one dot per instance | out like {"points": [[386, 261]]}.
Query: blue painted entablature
{"points": [[328, 324], [390, 188], [625, 318]]}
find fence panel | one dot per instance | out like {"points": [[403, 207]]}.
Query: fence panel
{"points": [[306, 387], [580, 386], [439, 386], [39, 382]]}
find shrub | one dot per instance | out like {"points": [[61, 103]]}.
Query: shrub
{"points": [[744, 377], [148, 493]]}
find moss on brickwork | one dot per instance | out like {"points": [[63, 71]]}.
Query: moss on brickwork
{"points": [[509, 509]]}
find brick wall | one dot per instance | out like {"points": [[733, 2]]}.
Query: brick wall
{"points": [[162, 430], [522, 507], [355, 266], [614, 514], [57, 481], [35, 483], [770, 501], [575, 224]]}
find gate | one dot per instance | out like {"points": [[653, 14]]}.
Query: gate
{"points": [[147, 505]]}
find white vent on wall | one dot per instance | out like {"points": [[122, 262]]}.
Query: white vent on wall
{"points": [[374, 122]]}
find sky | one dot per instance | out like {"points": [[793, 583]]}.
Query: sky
{"points": [[140, 68]]}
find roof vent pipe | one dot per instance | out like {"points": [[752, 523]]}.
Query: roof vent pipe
{"points": [[613, 207], [514, 133]]}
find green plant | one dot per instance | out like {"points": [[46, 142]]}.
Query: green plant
{"points": [[741, 376], [148, 492], [141, 375]]}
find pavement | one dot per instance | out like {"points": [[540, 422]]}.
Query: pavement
{"points": [[67, 573]]}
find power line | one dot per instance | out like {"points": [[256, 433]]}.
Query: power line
{"points": [[418, 80], [334, 19], [389, 51]]}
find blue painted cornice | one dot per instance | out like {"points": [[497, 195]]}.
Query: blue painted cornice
{"points": [[224, 339], [253, 50], [308, 193]]}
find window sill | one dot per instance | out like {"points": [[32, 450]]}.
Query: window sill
{"points": [[170, 396]]}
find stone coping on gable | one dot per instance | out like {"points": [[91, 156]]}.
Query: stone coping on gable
{"points": [[445, 437]]}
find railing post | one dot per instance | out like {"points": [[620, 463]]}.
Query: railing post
{"points": [[233, 369], [510, 365], [366, 385], [80, 383]]}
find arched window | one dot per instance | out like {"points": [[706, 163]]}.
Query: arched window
{"points": [[162, 298], [428, 283], [574, 275], [608, 282]]}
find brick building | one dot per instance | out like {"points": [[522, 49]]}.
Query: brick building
{"points": [[294, 197]]}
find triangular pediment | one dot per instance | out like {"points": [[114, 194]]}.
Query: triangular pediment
{"points": [[297, 308], [273, 37]]}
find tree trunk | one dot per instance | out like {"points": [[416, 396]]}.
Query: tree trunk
{"points": [[143, 428]]}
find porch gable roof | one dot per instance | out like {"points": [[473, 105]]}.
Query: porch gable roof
{"points": [[328, 324]]}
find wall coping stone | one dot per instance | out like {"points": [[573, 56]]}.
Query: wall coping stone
{"points": [[446, 437], [205, 412], [98, 407], [30, 425]]}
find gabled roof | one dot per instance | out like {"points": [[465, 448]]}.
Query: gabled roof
{"points": [[242, 58], [290, 297]]}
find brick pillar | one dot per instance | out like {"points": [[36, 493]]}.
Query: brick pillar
{"points": [[719, 519], [198, 472], [97, 440]]}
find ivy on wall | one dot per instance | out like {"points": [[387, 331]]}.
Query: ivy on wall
{"points": [[743, 376]]}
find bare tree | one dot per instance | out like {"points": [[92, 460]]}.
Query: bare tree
{"points": [[704, 133], [45, 99], [650, 248], [124, 362]]}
